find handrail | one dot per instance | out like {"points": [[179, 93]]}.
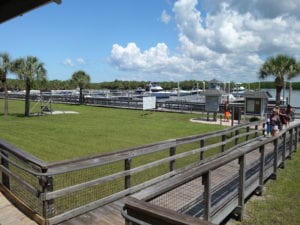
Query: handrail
{"points": [[204, 168]]}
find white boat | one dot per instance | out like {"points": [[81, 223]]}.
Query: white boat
{"points": [[154, 89], [179, 92], [238, 91]]}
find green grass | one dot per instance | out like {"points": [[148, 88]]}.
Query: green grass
{"points": [[94, 130], [280, 203]]}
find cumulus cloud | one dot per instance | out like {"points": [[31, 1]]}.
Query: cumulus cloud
{"points": [[223, 39]]}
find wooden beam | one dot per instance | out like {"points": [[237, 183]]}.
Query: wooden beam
{"points": [[12, 8]]}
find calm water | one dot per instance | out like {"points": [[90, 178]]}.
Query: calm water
{"points": [[295, 97]]}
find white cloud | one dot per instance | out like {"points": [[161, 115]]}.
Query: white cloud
{"points": [[165, 17], [68, 62], [80, 61], [227, 40], [77, 62]]}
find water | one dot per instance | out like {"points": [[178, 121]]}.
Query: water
{"points": [[295, 97]]}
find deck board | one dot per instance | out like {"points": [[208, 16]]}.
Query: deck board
{"points": [[10, 215]]}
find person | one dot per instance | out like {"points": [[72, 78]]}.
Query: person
{"points": [[283, 117], [226, 111], [274, 121], [268, 127], [289, 113]]}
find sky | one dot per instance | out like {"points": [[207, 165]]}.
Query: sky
{"points": [[155, 40]]}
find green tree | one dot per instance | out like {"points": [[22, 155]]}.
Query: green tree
{"points": [[281, 67], [5, 64], [81, 79], [29, 69]]}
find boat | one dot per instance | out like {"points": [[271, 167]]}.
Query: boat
{"points": [[154, 89], [179, 92], [238, 92]]}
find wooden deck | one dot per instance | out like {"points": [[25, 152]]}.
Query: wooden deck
{"points": [[10, 215], [185, 198]]}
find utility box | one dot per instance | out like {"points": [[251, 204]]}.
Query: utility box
{"points": [[256, 103], [212, 102]]}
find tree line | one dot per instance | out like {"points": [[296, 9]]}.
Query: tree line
{"points": [[31, 74], [16, 85]]}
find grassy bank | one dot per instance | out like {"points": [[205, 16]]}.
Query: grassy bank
{"points": [[280, 203], [93, 130]]}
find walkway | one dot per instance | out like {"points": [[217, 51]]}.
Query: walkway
{"points": [[10, 215]]}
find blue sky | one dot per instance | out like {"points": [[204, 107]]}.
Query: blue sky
{"points": [[155, 40]]}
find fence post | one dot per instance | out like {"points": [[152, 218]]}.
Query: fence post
{"points": [[239, 211], [172, 162], [290, 144], [256, 133], [47, 186], [247, 131], [259, 190], [232, 116], [236, 140], [275, 162], [283, 150], [202, 143], [296, 137], [223, 140], [206, 181], [127, 166], [5, 178]]}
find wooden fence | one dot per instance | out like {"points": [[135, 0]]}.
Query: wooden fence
{"points": [[53, 192], [272, 153]]}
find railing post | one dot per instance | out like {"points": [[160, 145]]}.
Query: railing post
{"points": [[247, 131], [239, 211], [206, 181], [296, 137], [5, 178], [259, 189], [290, 144], [172, 162], [47, 186], [223, 145], [127, 166], [283, 150], [236, 140], [256, 133], [264, 129], [232, 116], [202, 143], [275, 162]]}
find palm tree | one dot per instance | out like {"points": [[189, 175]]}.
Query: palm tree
{"points": [[281, 67], [4, 69], [81, 79], [29, 69]]}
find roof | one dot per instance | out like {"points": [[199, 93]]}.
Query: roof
{"points": [[256, 94], [12, 8]]}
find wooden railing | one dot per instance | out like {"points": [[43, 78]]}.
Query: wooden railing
{"points": [[54, 192], [282, 146]]}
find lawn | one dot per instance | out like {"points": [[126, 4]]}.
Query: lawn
{"points": [[93, 130]]}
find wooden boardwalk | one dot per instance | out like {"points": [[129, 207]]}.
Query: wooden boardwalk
{"points": [[10, 215], [185, 198]]}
